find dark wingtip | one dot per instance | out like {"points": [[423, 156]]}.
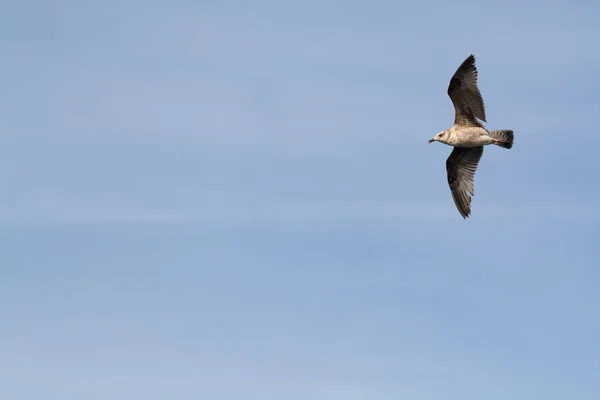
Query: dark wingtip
{"points": [[470, 61]]}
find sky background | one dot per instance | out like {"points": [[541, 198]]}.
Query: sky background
{"points": [[236, 200]]}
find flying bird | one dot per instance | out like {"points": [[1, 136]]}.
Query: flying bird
{"points": [[467, 135]]}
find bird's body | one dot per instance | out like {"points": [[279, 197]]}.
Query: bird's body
{"points": [[468, 136]]}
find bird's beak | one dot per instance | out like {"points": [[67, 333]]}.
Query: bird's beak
{"points": [[431, 140]]}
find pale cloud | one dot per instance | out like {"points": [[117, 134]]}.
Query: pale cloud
{"points": [[222, 208]]}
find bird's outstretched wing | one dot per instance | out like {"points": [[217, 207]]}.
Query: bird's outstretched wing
{"points": [[465, 95], [461, 167]]}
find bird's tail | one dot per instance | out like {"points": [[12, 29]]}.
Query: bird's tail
{"points": [[503, 138]]}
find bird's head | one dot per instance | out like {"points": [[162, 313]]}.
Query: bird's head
{"points": [[440, 137]]}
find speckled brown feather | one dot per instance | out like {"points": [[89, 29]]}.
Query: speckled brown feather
{"points": [[461, 167], [465, 95]]}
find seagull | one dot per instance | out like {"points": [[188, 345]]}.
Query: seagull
{"points": [[467, 135]]}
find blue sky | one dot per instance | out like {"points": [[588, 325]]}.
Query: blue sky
{"points": [[236, 200]]}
